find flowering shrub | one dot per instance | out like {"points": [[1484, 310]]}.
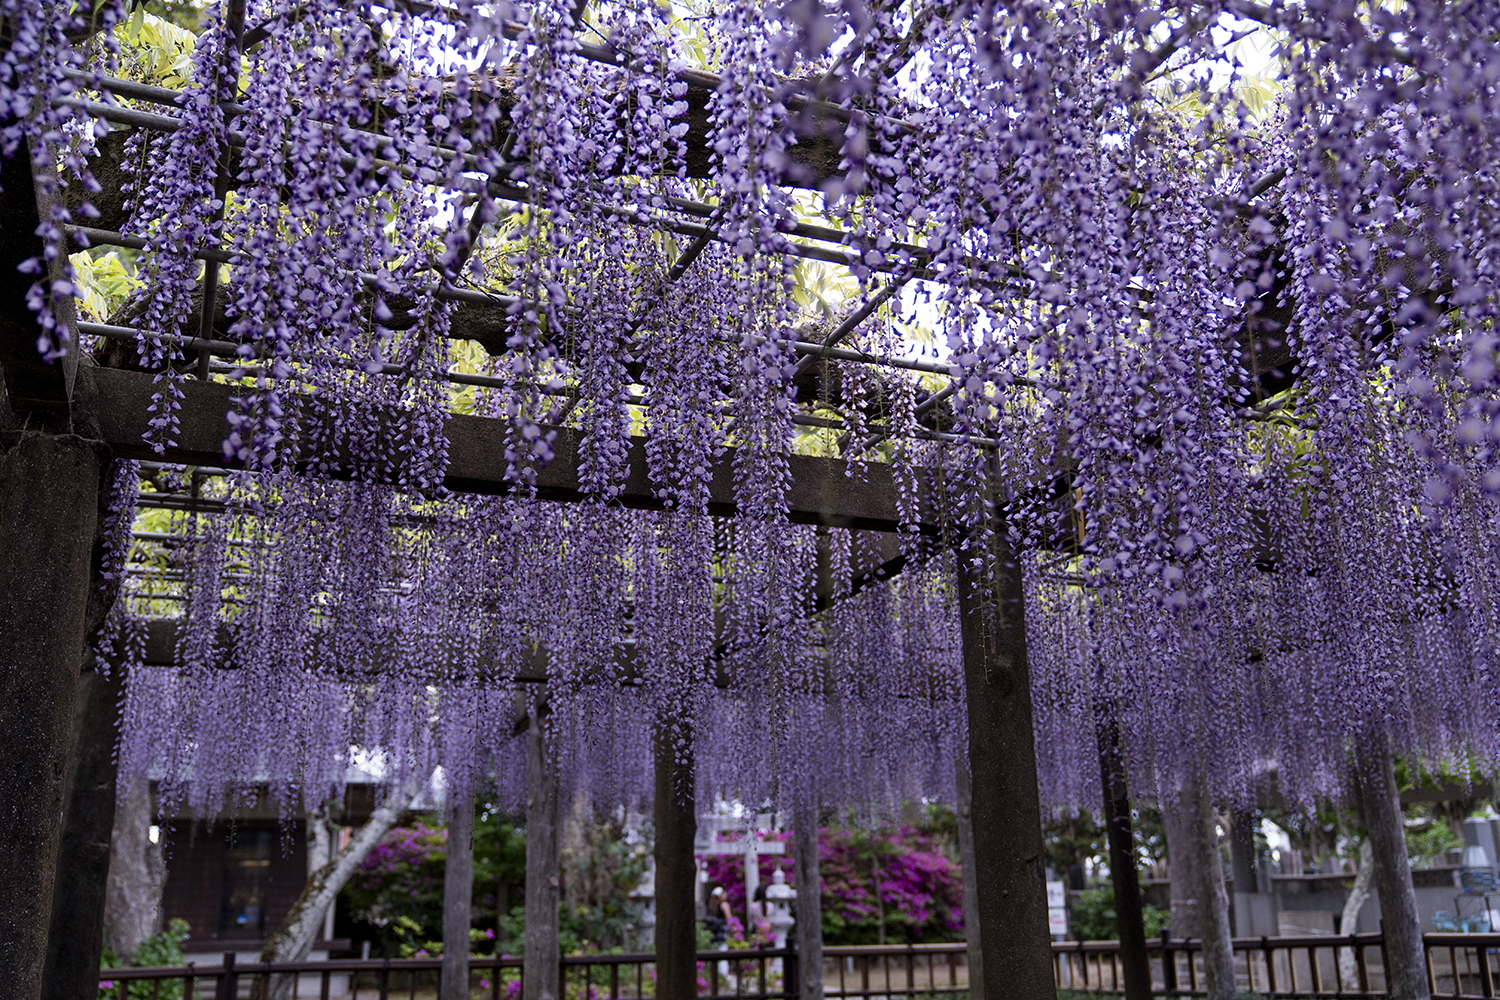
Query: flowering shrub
{"points": [[398, 887], [897, 883], [162, 948], [397, 891], [888, 883]]}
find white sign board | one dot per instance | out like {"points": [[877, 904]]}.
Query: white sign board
{"points": [[1057, 921], [1056, 894]]}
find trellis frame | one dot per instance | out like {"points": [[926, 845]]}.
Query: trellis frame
{"points": [[111, 407]]}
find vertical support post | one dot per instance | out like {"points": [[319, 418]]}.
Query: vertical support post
{"points": [[1169, 965], [458, 892], [1129, 915], [234, 24], [229, 982], [1242, 868], [1405, 960], [75, 938], [752, 876], [49, 496], [809, 885], [1007, 811], [540, 970], [964, 788], [676, 874]]}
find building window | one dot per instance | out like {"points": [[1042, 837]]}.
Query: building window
{"points": [[247, 872]]}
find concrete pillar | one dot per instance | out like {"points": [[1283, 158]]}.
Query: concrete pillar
{"points": [[49, 496], [1010, 879]]}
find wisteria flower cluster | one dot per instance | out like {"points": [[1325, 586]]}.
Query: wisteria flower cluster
{"points": [[1222, 374]]}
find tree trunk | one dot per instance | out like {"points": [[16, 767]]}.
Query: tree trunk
{"points": [[1178, 820], [319, 837], [294, 938], [1200, 904], [1242, 868], [1007, 809], [1218, 938], [458, 892], [963, 783], [540, 973], [137, 874], [1129, 915], [1349, 922], [809, 886], [76, 935], [1406, 972], [676, 873], [49, 500]]}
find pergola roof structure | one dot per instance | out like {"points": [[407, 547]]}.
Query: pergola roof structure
{"points": [[337, 200]]}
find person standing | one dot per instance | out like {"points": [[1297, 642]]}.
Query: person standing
{"points": [[759, 912]]}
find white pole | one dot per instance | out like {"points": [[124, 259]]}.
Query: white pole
{"points": [[752, 878]]}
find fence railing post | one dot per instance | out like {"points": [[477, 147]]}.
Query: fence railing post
{"points": [[229, 986], [1168, 963], [1385, 960], [1486, 986]]}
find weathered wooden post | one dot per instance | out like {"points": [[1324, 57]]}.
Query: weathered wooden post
{"points": [[50, 473], [1009, 875], [49, 490], [74, 939], [809, 882], [676, 875], [458, 892], [963, 785], [1130, 918], [540, 971]]}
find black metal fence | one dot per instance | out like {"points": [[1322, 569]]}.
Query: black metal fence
{"points": [[747, 974], [1352, 965], [1461, 966]]}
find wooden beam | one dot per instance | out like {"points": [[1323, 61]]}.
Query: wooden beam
{"points": [[821, 492]]}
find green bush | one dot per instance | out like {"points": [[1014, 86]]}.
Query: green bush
{"points": [[1094, 917], [161, 948]]}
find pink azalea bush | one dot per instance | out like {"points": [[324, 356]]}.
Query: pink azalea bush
{"points": [[901, 880]]}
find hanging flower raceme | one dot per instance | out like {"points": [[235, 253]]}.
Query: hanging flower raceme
{"points": [[1224, 377]]}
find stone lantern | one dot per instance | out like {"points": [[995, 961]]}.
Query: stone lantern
{"points": [[780, 896], [645, 894]]}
